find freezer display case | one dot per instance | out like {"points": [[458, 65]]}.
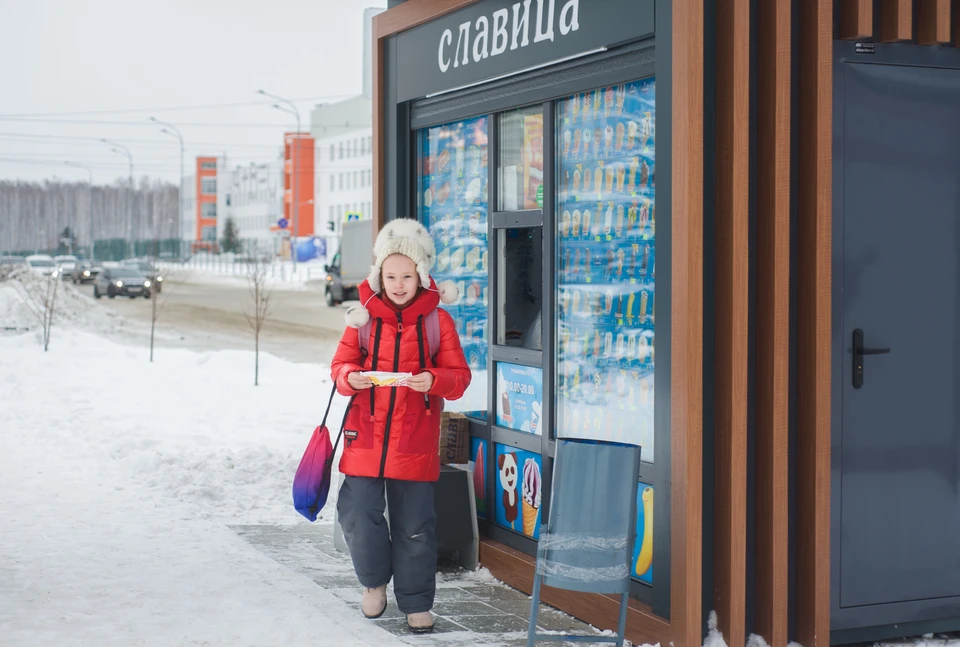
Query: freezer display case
{"points": [[606, 264], [452, 203]]}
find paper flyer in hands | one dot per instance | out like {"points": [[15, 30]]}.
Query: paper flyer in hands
{"points": [[384, 378]]}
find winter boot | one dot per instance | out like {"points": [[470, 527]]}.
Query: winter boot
{"points": [[420, 623], [374, 602]]}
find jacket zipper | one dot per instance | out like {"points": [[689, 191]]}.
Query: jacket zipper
{"points": [[393, 395]]}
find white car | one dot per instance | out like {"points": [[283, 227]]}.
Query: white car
{"points": [[66, 263], [42, 265]]}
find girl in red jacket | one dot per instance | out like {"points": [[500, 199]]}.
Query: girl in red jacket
{"points": [[392, 433]]}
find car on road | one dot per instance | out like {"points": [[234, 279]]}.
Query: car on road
{"points": [[86, 270], [67, 263], [147, 268], [41, 264], [122, 281]]}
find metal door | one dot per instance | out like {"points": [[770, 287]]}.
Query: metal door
{"points": [[899, 223]]}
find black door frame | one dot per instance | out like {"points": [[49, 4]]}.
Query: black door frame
{"points": [[892, 620]]}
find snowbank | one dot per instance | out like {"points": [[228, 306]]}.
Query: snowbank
{"points": [[72, 307]]}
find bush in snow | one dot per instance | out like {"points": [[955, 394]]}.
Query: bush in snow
{"points": [[39, 293]]}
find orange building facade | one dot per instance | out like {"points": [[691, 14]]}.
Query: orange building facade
{"points": [[298, 183], [206, 204]]}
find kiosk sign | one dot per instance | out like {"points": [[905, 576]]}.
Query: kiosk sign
{"points": [[494, 38]]}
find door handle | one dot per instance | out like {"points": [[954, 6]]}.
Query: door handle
{"points": [[858, 352]]}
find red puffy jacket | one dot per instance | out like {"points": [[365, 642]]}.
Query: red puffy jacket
{"points": [[401, 440]]}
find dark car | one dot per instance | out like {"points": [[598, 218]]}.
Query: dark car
{"points": [[86, 271], [122, 281], [148, 270]]}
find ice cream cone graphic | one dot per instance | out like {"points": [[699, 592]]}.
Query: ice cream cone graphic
{"points": [[479, 488], [530, 496], [645, 558]]}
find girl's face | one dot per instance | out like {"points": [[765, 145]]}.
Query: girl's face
{"points": [[399, 277]]}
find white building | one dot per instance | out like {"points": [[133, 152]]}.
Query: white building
{"points": [[252, 196], [343, 136], [188, 222]]}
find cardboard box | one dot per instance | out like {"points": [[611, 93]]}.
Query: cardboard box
{"points": [[454, 439]]}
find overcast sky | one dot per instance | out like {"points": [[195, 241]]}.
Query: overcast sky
{"points": [[117, 62]]}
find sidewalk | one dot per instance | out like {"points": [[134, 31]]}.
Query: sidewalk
{"points": [[470, 609]]}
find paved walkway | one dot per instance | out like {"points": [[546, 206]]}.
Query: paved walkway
{"points": [[470, 608]]}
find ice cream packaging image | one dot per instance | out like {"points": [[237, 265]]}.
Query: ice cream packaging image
{"points": [[531, 496]]}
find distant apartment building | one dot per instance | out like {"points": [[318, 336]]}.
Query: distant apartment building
{"points": [[252, 196], [344, 138], [298, 183], [205, 187], [188, 222]]}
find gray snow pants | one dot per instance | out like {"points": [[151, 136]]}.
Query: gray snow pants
{"points": [[407, 550]]}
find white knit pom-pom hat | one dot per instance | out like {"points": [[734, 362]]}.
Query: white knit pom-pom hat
{"points": [[411, 239], [407, 237]]}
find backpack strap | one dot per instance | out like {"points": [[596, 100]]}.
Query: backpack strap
{"points": [[432, 325], [364, 334]]}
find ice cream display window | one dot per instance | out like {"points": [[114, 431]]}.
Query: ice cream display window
{"points": [[544, 213], [452, 203], [606, 265]]}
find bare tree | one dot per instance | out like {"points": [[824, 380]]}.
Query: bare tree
{"points": [[261, 295], [39, 293]]}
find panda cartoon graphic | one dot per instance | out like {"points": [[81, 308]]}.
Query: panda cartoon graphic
{"points": [[508, 480]]}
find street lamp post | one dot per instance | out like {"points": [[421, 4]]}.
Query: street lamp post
{"points": [[89, 200], [123, 150], [172, 130], [291, 108]]}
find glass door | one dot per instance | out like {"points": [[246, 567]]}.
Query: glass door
{"points": [[517, 358]]}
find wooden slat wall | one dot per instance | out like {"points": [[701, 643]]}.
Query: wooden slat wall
{"points": [[774, 84], [814, 323], [732, 284], [956, 23], [896, 20], [686, 384], [933, 22], [856, 19]]}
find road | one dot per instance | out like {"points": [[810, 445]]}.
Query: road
{"points": [[209, 314]]}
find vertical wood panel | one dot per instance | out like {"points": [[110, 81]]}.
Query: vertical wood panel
{"points": [[773, 317], [856, 19], [732, 308], [956, 23], [378, 143], [814, 325], [933, 22], [896, 20], [686, 382]]}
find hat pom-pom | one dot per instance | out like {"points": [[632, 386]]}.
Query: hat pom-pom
{"points": [[448, 292], [357, 316]]}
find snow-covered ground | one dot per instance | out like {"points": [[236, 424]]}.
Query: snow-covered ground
{"points": [[120, 479]]}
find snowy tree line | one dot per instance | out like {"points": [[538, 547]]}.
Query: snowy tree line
{"points": [[33, 215]]}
